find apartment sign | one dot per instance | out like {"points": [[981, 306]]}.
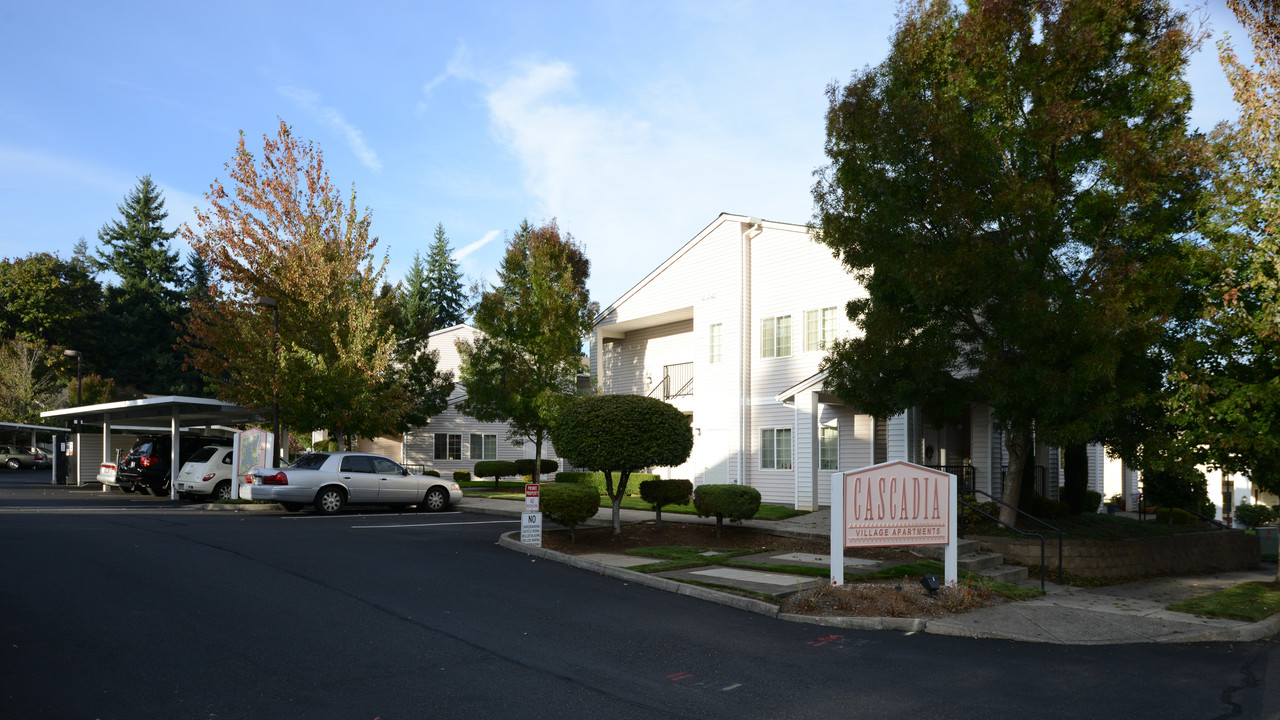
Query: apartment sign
{"points": [[897, 504], [893, 504]]}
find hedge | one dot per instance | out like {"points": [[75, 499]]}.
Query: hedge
{"points": [[569, 505], [524, 466], [461, 475], [496, 469], [736, 502], [665, 492]]}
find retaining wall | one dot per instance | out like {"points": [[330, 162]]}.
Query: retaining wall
{"points": [[1186, 553]]}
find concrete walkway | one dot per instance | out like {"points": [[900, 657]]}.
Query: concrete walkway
{"points": [[1130, 613]]}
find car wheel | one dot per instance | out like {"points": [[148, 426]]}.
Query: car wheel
{"points": [[221, 491], [436, 500], [330, 500], [292, 507], [127, 487], [13, 464], [160, 490]]}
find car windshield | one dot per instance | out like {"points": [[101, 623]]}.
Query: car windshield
{"points": [[312, 461], [203, 454], [142, 446]]}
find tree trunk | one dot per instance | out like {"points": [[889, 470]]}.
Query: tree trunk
{"points": [[537, 458], [1018, 443]]}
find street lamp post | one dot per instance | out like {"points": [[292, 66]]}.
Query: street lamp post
{"points": [[275, 392]]}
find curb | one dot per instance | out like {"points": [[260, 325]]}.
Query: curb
{"points": [[701, 593]]}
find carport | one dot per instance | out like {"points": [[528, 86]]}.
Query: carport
{"points": [[172, 414], [12, 430]]}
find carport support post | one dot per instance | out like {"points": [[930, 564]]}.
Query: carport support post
{"points": [[174, 448], [837, 528]]}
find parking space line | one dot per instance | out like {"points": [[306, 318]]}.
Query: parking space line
{"points": [[360, 515], [476, 522]]}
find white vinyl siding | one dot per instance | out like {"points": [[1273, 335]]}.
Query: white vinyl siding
{"points": [[775, 336], [775, 449], [715, 335], [828, 448], [819, 329], [484, 447]]}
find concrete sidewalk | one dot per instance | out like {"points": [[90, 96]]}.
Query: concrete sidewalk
{"points": [[1130, 613]]}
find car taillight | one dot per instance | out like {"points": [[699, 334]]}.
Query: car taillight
{"points": [[146, 461], [277, 479], [107, 466], [208, 477], [38, 457]]}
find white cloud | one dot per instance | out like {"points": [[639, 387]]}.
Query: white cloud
{"points": [[633, 182], [330, 115], [462, 253]]}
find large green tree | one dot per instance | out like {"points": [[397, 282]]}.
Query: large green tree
{"points": [[283, 231], [46, 298], [621, 434], [139, 335], [525, 363], [29, 383], [1012, 186], [446, 294], [1228, 378]]}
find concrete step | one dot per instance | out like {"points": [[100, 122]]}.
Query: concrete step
{"points": [[1006, 573], [979, 561], [936, 552]]}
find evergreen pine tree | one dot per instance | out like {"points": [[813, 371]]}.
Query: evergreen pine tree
{"points": [[142, 311], [413, 294], [445, 291]]}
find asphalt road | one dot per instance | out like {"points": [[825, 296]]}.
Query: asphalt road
{"points": [[124, 606]]}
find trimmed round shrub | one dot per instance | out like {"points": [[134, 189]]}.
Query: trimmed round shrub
{"points": [[524, 466], [736, 502], [496, 469], [569, 505], [665, 492], [461, 475], [1092, 499], [432, 473], [1252, 515]]}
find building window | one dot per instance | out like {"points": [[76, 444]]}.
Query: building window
{"points": [[775, 449], [448, 446], [819, 329], [716, 329], [828, 448], [484, 447], [775, 336]]}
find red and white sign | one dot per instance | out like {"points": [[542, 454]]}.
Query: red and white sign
{"points": [[531, 497], [896, 504], [893, 503]]}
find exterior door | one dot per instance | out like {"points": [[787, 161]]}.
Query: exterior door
{"points": [[357, 474]]}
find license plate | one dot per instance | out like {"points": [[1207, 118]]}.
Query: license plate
{"points": [[183, 487]]}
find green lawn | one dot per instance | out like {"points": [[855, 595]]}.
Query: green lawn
{"points": [[1251, 601]]}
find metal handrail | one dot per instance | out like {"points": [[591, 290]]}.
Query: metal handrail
{"points": [[1033, 517], [981, 512]]}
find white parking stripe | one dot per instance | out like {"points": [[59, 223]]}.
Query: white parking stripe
{"points": [[348, 516], [477, 522]]}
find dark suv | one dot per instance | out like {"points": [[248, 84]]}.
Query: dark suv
{"points": [[147, 464]]}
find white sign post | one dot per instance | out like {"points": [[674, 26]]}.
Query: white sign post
{"points": [[893, 503], [531, 519]]}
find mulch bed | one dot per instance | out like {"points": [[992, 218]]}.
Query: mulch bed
{"points": [[899, 598]]}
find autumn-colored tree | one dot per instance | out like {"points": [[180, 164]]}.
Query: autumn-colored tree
{"points": [[29, 382], [524, 364], [1228, 380], [1013, 186], [283, 231]]}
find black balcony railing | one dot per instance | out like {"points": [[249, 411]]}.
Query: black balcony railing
{"points": [[677, 380]]}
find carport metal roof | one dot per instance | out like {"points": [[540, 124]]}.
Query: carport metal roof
{"points": [[189, 411]]}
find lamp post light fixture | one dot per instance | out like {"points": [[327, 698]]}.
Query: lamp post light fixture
{"points": [[275, 392], [79, 380]]}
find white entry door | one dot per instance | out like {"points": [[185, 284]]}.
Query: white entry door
{"points": [[711, 449]]}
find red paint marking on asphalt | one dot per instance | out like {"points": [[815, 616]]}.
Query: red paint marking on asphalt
{"points": [[682, 675], [824, 640]]}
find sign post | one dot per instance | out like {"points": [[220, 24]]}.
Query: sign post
{"points": [[531, 519], [893, 503]]}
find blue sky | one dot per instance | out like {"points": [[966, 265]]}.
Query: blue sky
{"points": [[632, 123]]}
